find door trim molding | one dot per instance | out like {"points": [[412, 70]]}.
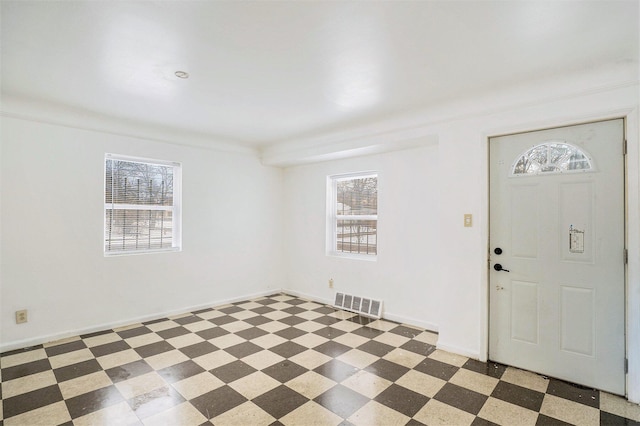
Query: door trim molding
{"points": [[631, 190]]}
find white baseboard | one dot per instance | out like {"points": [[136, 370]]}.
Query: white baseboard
{"points": [[457, 350], [9, 346], [311, 297], [385, 315], [411, 321], [19, 344]]}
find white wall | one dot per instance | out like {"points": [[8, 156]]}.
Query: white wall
{"points": [[445, 283], [52, 233], [464, 165], [52, 262], [405, 274]]}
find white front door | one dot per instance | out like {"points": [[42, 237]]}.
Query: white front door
{"points": [[557, 232]]}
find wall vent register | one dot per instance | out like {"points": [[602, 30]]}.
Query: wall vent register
{"points": [[361, 305]]}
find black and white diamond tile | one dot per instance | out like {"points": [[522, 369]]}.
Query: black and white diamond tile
{"points": [[281, 360]]}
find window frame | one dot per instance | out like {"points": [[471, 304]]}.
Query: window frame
{"points": [[333, 217], [175, 209]]}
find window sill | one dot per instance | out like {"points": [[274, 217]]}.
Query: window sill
{"points": [[129, 253], [352, 256]]}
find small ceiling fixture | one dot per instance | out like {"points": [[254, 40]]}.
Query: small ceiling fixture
{"points": [[182, 74]]}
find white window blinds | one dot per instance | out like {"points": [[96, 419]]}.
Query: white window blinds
{"points": [[142, 208]]}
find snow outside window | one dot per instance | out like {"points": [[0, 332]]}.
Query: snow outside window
{"points": [[141, 205], [352, 215]]}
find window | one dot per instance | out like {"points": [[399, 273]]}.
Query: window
{"points": [[552, 157], [142, 205], [352, 219]]}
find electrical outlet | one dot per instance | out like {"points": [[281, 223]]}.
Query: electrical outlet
{"points": [[21, 316], [330, 282]]}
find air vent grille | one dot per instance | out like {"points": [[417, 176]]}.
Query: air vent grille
{"points": [[361, 305]]}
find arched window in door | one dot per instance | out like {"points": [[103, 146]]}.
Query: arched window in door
{"points": [[552, 157]]}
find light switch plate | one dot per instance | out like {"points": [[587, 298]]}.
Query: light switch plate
{"points": [[467, 220]]}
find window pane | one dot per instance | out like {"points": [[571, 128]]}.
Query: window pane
{"points": [[538, 154], [559, 153], [551, 157], [130, 230], [357, 196], [141, 205], [357, 236], [138, 183]]}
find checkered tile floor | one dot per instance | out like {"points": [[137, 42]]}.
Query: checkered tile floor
{"points": [[281, 360]]}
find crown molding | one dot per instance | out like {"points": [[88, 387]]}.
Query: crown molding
{"points": [[22, 108], [410, 130], [423, 126]]}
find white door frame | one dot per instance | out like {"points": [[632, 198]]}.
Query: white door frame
{"points": [[632, 233]]}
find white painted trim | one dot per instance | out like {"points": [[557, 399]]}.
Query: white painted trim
{"points": [[370, 145], [410, 321], [145, 207], [633, 246], [457, 350], [19, 344], [22, 108], [307, 296], [632, 224], [419, 128], [385, 315], [333, 217]]}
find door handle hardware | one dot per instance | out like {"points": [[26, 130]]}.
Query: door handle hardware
{"points": [[498, 267], [499, 288]]}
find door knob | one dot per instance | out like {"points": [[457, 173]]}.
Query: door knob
{"points": [[498, 251], [498, 267]]}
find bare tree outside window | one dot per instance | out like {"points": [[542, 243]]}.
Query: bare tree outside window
{"points": [[139, 206], [552, 157], [356, 215]]}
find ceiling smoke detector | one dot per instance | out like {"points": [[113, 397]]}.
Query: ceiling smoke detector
{"points": [[182, 74]]}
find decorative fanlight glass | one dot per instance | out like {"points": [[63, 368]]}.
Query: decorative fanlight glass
{"points": [[552, 157]]}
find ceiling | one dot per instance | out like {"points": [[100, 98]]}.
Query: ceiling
{"points": [[267, 72]]}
